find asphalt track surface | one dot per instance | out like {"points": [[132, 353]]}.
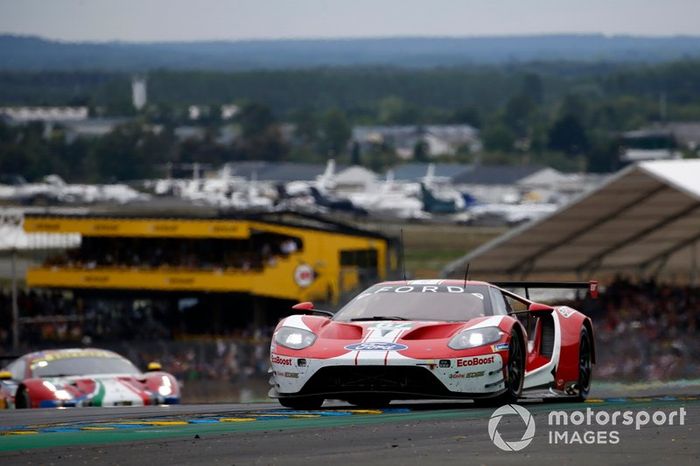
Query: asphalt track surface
{"points": [[405, 433]]}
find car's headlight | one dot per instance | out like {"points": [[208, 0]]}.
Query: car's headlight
{"points": [[167, 386], [476, 337], [294, 338]]}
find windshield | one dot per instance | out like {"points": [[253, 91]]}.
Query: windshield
{"points": [[418, 302], [82, 365]]}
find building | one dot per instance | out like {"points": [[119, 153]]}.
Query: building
{"points": [[92, 127], [654, 143], [438, 139], [232, 271], [416, 172], [21, 115], [279, 172], [355, 179], [686, 134], [139, 96], [228, 111], [660, 141]]}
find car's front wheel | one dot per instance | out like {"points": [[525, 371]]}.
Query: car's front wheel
{"points": [[513, 375], [304, 402]]}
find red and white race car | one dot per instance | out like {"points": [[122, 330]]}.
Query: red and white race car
{"points": [[427, 339], [87, 377]]}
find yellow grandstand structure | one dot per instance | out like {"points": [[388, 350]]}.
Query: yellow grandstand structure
{"points": [[281, 256]]}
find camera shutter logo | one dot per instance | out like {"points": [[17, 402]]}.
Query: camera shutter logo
{"points": [[509, 410]]}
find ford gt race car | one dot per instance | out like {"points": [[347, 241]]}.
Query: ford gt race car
{"points": [[428, 339], [88, 377]]}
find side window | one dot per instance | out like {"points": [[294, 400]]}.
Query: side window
{"points": [[500, 305], [515, 305], [17, 369], [525, 318]]}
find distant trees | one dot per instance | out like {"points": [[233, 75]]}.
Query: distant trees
{"points": [[421, 151], [565, 114], [497, 137], [335, 132], [568, 135], [261, 138]]}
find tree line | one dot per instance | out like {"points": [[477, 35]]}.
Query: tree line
{"points": [[563, 114]]}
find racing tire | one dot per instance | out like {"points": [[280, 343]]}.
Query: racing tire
{"points": [[514, 376], [369, 402], [306, 402], [585, 365], [22, 400]]}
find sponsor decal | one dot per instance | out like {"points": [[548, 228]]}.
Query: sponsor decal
{"points": [[391, 325], [466, 375], [304, 275], [475, 361], [376, 346], [500, 347], [425, 282], [421, 289], [289, 375], [565, 311], [280, 360]]}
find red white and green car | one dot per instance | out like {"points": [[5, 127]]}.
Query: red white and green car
{"points": [[86, 377], [433, 339]]}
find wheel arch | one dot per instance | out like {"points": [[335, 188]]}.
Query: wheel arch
{"points": [[515, 326], [518, 327]]}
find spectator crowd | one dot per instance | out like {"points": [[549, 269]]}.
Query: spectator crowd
{"points": [[180, 253], [644, 331]]}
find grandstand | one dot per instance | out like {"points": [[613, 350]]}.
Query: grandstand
{"points": [[208, 275], [644, 222]]}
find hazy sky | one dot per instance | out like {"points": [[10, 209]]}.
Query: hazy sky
{"points": [[149, 20]]}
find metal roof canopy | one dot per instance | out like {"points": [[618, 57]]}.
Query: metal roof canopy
{"points": [[645, 220]]}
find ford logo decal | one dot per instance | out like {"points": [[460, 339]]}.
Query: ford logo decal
{"points": [[376, 346]]}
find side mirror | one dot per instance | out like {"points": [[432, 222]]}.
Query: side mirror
{"points": [[539, 308], [305, 306], [153, 366], [308, 306], [5, 375]]}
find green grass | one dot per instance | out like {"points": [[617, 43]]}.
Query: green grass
{"points": [[429, 247]]}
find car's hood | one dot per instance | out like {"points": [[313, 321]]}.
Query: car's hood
{"points": [[387, 329], [335, 338]]}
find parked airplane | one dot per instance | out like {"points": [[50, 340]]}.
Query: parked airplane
{"points": [[53, 190]]}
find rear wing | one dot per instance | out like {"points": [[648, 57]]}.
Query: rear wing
{"points": [[591, 286]]}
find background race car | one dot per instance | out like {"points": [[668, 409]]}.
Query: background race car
{"points": [[88, 377], [433, 339]]}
